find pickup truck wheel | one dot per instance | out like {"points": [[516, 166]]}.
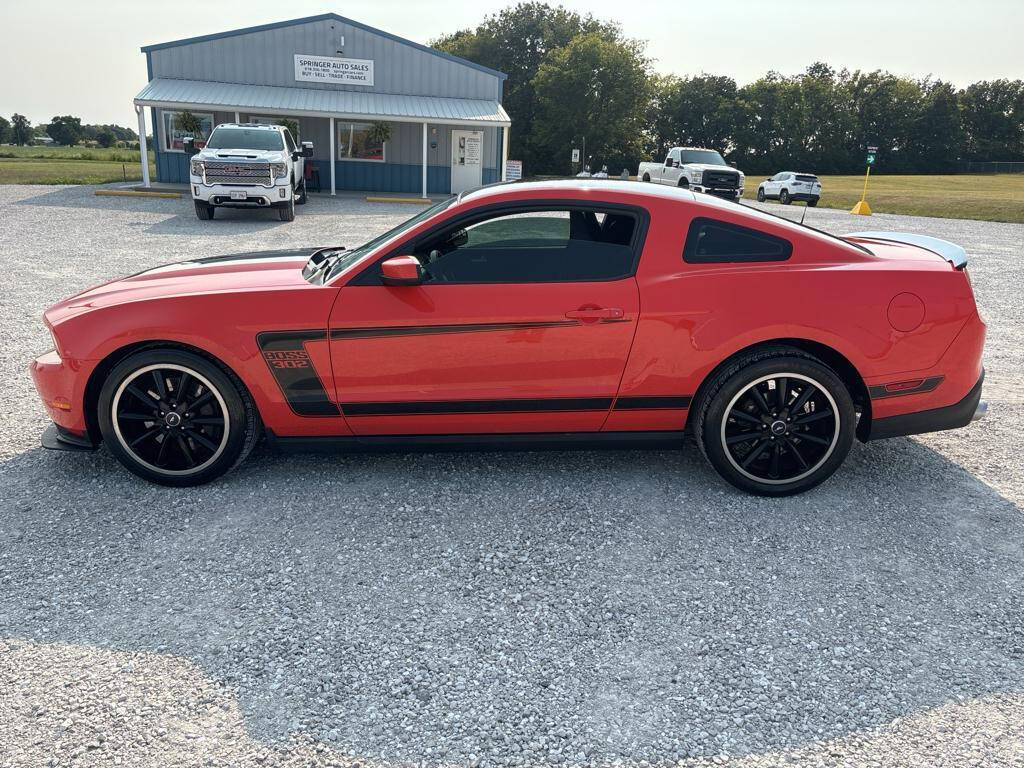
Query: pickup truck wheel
{"points": [[301, 193], [784, 197], [760, 194], [204, 211], [683, 184], [287, 211], [776, 422], [176, 418], [647, 177]]}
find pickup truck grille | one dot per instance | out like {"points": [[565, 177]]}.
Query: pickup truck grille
{"points": [[721, 179], [218, 172]]}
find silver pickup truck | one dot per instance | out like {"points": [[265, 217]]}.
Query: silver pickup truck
{"points": [[695, 168]]}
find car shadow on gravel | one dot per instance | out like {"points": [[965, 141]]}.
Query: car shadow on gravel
{"points": [[608, 604]]}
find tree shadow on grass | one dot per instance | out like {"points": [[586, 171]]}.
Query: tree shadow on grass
{"points": [[628, 600]]}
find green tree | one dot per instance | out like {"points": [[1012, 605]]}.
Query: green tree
{"points": [[516, 41], [65, 129], [5, 130], [105, 137], [993, 120], [21, 129], [698, 111], [594, 88]]}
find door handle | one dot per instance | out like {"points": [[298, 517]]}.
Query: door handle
{"points": [[593, 314]]}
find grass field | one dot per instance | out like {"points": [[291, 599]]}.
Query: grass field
{"points": [[986, 197], [69, 165]]}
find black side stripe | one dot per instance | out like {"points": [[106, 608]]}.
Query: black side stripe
{"points": [[879, 392], [429, 330], [289, 364], [635, 403], [518, 405]]}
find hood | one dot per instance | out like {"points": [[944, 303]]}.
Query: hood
{"points": [[243, 155], [237, 272], [711, 167]]}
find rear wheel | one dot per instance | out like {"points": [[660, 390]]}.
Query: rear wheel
{"points": [[776, 422], [784, 197], [647, 177], [204, 211], [813, 202], [760, 194], [176, 418]]}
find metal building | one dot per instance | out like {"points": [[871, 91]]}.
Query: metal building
{"points": [[383, 113]]}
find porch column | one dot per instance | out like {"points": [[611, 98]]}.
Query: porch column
{"points": [[424, 160], [143, 149], [237, 120], [332, 140], [504, 151]]}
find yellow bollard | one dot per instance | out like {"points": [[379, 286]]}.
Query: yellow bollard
{"points": [[862, 208]]}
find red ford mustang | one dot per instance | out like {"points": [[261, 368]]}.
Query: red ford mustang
{"points": [[553, 312]]}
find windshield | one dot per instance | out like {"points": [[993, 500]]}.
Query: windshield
{"points": [[245, 138], [707, 156], [344, 259]]}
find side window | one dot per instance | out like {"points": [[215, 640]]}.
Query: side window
{"points": [[536, 246], [716, 242]]}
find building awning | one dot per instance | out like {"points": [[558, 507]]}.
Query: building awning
{"points": [[315, 102]]}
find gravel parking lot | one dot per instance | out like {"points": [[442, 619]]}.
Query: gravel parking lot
{"points": [[562, 608]]}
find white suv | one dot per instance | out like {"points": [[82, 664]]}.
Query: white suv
{"points": [[789, 186], [248, 166]]}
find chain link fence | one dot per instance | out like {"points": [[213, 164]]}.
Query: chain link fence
{"points": [[967, 166]]}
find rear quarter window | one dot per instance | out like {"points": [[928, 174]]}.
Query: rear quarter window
{"points": [[710, 241]]}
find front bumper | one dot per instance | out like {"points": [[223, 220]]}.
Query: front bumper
{"points": [[256, 195], [960, 414], [730, 193]]}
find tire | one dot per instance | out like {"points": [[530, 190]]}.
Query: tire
{"points": [[647, 177], [782, 457], [760, 194], [301, 193], [683, 184], [287, 211], [784, 197], [813, 202], [204, 211], [182, 444]]}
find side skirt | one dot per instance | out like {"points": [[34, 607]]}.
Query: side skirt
{"points": [[499, 442]]}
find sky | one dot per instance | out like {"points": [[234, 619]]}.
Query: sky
{"points": [[81, 57]]}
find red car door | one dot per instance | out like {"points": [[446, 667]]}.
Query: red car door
{"points": [[523, 323]]}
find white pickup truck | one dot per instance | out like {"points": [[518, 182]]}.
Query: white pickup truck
{"points": [[245, 165], [701, 170]]}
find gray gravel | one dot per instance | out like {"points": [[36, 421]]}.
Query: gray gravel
{"points": [[564, 608]]}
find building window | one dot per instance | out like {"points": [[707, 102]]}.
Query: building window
{"points": [[174, 134], [361, 141]]}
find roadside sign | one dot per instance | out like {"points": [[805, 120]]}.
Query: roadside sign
{"points": [[513, 170], [575, 155], [871, 158], [873, 150]]}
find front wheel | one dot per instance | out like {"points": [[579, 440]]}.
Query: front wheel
{"points": [[204, 211], [175, 418], [684, 184], [784, 197], [760, 194], [287, 211], [776, 422], [301, 193]]}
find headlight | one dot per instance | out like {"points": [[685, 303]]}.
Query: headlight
{"points": [[696, 176], [279, 170], [198, 167]]}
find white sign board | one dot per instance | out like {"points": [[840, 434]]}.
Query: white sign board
{"points": [[327, 69], [473, 145], [575, 155], [513, 170]]}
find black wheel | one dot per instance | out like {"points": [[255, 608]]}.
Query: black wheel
{"points": [[760, 194], [776, 422], [813, 202], [287, 211], [784, 197], [683, 183], [647, 177], [204, 211], [175, 418], [301, 193]]}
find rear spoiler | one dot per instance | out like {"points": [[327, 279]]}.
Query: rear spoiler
{"points": [[951, 252]]}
